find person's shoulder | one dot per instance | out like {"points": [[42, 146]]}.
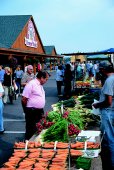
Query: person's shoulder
{"points": [[24, 73], [33, 81], [111, 77], [109, 80], [30, 84]]}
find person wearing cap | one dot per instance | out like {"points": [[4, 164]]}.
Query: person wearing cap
{"points": [[27, 76], [33, 102], [106, 106]]}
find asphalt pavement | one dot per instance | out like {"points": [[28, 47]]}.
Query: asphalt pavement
{"points": [[14, 121]]}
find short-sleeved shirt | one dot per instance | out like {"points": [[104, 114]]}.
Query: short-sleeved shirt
{"points": [[2, 72], [19, 73], [27, 77], [35, 93], [108, 89], [59, 75]]}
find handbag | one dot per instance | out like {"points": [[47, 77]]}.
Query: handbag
{"points": [[11, 90]]}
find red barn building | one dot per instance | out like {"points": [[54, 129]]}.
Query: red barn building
{"points": [[20, 42]]}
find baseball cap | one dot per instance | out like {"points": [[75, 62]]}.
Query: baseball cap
{"points": [[105, 65]]}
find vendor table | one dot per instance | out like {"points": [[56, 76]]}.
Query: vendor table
{"points": [[96, 161], [85, 90]]}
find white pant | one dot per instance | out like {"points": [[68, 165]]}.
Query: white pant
{"points": [[5, 97]]}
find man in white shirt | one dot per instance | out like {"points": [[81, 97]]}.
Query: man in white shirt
{"points": [[59, 79]]}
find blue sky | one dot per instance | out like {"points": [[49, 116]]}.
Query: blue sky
{"points": [[70, 25]]}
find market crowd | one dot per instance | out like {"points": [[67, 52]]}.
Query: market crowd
{"points": [[17, 82], [30, 86]]}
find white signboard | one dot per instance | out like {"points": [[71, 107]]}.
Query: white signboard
{"points": [[30, 39]]}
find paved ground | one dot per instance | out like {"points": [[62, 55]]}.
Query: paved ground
{"points": [[14, 123]]}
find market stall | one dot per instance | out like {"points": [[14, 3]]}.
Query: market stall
{"points": [[88, 86], [62, 141]]}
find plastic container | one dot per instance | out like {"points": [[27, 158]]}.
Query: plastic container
{"points": [[84, 163]]}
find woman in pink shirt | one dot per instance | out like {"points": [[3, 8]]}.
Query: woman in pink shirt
{"points": [[33, 102]]}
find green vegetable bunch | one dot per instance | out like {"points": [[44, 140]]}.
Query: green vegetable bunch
{"points": [[53, 116], [57, 132], [75, 118], [67, 103], [87, 99]]}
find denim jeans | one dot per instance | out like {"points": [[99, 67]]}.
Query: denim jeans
{"points": [[1, 115], [18, 83], [107, 126]]}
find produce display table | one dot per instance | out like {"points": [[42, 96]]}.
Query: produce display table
{"points": [[60, 143], [82, 87], [35, 155], [85, 90], [81, 90], [92, 90], [90, 154]]}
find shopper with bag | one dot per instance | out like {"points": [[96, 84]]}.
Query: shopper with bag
{"points": [[8, 85], [106, 106]]}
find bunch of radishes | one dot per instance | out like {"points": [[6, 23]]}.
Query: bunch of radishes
{"points": [[73, 130], [43, 124], [65, 115]]}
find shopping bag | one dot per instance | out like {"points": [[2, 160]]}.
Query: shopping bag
{"points": [[96, 111], [11, 91]]}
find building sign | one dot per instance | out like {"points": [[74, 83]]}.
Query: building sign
{"points": [[30, 39]]}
